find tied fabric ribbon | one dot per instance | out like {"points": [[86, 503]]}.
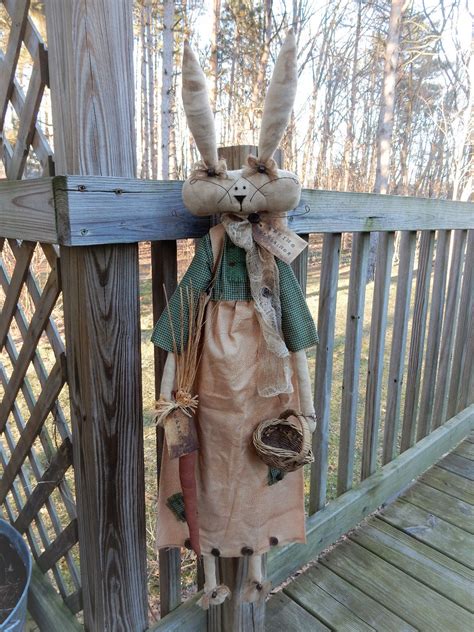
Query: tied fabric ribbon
{"points": [[201, 170], [254, 165], [274, 369]]}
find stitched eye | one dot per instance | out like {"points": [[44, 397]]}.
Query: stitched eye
{"points": [[236, 188], [244, 188]]}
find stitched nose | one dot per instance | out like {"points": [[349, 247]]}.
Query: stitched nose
{"points": [[240, 198]]}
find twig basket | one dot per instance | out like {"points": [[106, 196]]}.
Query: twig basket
{"points": [[284, 443]]}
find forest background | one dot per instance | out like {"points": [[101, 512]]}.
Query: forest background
{"points": [[385, 86]]}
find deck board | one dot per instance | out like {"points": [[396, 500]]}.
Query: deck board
{"points": [[459, 465], [438, 533], [457, 512], [466, 450], [397, 591], [425, 564], [366, 608], [409, 567], [449, 482], [284, 615]]}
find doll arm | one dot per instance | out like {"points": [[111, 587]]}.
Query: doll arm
{"points": [[168, 379], [305, 390]]}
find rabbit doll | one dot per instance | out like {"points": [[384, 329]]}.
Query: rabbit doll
{"points": [[252, 363]]}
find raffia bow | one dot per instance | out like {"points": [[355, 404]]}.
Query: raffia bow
{"points": [[201, 170], [254, 165], [183, 401]]}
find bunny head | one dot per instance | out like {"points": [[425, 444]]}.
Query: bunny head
{"points": [[260, 185]]}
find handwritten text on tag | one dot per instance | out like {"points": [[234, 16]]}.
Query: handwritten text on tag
{"points": [[283, 243]]}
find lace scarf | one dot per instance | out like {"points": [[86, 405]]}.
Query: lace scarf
{"points": [[274, 368]]}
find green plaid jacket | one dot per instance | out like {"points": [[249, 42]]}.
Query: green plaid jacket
{"points": [[232, 284]]}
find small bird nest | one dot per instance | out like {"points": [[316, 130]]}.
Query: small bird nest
{"points": [[284, 443]]}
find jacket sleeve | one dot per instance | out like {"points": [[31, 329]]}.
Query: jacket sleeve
{"points": [[299, 330], [173, 325]]}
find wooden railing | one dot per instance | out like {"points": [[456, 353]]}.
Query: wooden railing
{"points": [[400, 404]]}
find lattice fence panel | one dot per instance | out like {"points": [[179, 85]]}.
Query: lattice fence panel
{"points": [[37, 482]]}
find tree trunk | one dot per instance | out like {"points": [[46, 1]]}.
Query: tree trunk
{"points": [[387, 109], [166, 85]]}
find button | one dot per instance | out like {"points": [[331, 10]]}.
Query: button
{"points": [[187, 544], [273, 541], [246, 550], [215, 552], [266, 292], [254, 218], [231, 264]]}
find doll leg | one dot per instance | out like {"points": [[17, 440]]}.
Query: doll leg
{"points": [[255, 588], [213, 594]]}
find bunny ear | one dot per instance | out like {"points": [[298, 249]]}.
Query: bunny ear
{"points": [[279, 100], [197, 107]]}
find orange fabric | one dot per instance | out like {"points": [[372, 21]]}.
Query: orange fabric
{"points": [[237, 507]]}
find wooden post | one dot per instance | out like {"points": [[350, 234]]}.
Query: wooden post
{"points": [[90, 54]]}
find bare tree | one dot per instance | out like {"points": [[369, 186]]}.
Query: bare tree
{"points": [[386, 116]]}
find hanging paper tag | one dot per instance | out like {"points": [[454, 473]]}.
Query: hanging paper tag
{"points": [[283, 243], [181, 434]]}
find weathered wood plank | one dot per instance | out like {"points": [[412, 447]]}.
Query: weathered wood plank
{"points": [[51, 478], [450, 483], [324, 363], [421, 606], [430, 529], [41, 410], [352, 352], [367, 608], [466, 450], [47, 608], [57, 549], [74, 601], [23, 258], [315, 600], [458, 465], [457, 512], [188, 617], [466, 388], [300, 266], [417, 560], [93, 122], [131, 211], [399, 338], [466, 309], [342, 514], [449, 329], [135, 210], [378, 327], [164, 273], [283, 615], [138, 210], [415, 359], [430, 365], [27, 210]]}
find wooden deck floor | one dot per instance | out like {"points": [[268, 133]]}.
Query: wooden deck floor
{"points": [[410, 567]]}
